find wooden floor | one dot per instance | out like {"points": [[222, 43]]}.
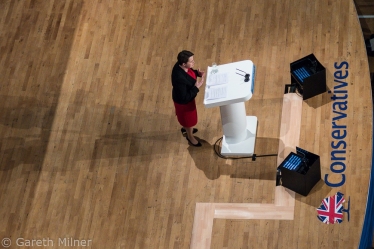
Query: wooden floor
{"points": [[365, 10], [90, 147]]}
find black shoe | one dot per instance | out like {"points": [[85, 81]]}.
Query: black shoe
{"points": [[196, 145], [184, 132]]}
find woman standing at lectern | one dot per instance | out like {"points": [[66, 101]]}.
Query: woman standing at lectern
{"points": [[185, 88]]}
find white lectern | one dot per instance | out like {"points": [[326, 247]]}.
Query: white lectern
{"points": [[229, 86]]}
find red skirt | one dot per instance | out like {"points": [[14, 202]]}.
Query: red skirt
{"points": [[186, 114]]}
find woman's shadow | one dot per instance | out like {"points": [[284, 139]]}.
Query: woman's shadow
{"points": [[207, 159]]}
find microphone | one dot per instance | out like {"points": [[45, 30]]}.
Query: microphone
{"points": [[246, 75]]}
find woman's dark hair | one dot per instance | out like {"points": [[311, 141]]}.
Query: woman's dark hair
{"points": [[183, 56]]}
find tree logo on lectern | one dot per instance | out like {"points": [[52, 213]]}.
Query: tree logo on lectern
{"points": [[331, 209]]}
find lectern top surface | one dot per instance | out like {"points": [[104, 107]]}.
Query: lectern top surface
{"points": [[229, 83]]}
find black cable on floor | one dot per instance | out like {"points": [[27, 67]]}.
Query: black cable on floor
{"points": [[219, 141]]}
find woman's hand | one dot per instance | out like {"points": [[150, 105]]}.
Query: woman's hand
{"points": [[199, 83], [201, 73]]}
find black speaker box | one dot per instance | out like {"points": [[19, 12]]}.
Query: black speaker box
{"points": [[303, 176], [309, 76]]}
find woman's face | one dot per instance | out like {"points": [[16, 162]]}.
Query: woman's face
{"points": [[190, 63]]}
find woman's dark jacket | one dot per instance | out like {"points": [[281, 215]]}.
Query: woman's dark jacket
{"points": [[184, 89]]}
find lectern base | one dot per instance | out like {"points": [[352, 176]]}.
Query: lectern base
{"points": [[245, 147]]}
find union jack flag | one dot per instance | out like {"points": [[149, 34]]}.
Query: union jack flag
{"points": [[331, 209]]}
